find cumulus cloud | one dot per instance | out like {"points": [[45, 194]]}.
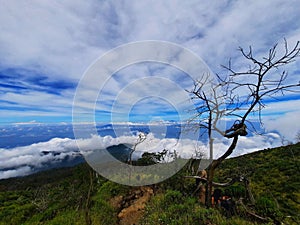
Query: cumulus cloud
{"points": [[20, 161], [21, 171], [286, 124], [38, 154], [46, 46], [57, 41]]}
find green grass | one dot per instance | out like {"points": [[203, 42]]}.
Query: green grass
{"points": [[274, 180], [60, 196]]}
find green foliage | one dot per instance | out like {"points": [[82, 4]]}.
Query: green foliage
{"points": [[237, 191], [60, 196], [146, 159], [67, 217], [174, 208], [171, 208], [172, 196], [103, 213], [151, 158], [265, 206], [274, 180], [110, 189], [45, 197]]}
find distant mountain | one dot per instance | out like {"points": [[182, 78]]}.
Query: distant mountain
{"points": [[121, 152], [59, 161], [76, 194]]}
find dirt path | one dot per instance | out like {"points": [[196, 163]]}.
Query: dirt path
{"points": [[132, 205]]}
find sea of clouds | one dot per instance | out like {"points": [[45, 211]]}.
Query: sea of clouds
{"points": [[63, 151]]}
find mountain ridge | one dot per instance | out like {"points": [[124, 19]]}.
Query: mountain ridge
{"points": [[74, 195]]}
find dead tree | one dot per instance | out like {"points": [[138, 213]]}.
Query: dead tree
{"points": [[237, 95], [141, 138]]}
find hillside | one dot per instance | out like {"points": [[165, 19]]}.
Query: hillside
{"points": [[274, 177], [77, 195]]}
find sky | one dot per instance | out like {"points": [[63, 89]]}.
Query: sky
{"points": [[46, 48]]}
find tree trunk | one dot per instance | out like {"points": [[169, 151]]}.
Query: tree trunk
{"points": [[88, 220], [209, 185], [211, 171]]}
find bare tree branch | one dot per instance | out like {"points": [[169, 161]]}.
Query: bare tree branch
{"points": [[239, 94]]}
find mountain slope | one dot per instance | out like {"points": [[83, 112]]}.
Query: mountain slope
{"points": [[274, 174], [77, 195]]}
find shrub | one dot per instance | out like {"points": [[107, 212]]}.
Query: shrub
{"points": [[267, 207]]}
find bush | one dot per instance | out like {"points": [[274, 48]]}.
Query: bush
{"points": [[102, 213], [110, 189], [174, 208], [266, 206]]}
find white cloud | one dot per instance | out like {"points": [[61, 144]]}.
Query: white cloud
{"points": [[286, 124], [22, 171], [65, 37], [59, 40], [24, 160], [48, 35]]}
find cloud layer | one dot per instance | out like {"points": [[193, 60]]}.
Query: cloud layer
{"points": [[20, 161], [46, 46]]}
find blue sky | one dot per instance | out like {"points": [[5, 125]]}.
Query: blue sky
{"points": [[46, 46]]}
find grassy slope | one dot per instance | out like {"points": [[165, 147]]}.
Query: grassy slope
{"points": [[274, 174], [43, 196], [61, 196]]}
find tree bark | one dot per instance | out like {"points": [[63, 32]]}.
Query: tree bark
{"points": [[215, 184], [211, 171]]}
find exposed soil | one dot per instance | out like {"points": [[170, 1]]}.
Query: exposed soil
{"points": [[132, 206]]}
